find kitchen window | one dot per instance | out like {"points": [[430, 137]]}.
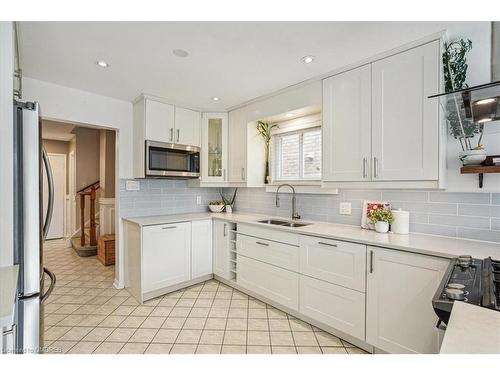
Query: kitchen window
{"points": [[297, 155]]}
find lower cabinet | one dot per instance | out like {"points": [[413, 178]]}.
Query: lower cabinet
{"points": [[399, 313], [272, 282], [340, 308], [166, 255], [201, 248]]}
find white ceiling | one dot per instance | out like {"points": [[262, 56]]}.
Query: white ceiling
{"points": [[236, 61]]}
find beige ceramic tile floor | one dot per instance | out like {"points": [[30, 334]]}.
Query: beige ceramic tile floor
{"points": [[86, 314]]}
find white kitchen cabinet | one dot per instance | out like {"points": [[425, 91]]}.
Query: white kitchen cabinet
{"points": [[405, 123], [399, 313], [277, 284], [214, 140], [222, 249], [159, 121], [347, 125], [166, 255], [187, 127], [338, 307], [337, 262], [201, 248], [237, 148]]}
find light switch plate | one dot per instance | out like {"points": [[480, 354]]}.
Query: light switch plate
{"points": [[345, 208], [198, 200], [132, 185]]}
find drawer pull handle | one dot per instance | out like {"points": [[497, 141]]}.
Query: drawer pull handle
{"points": [[262, 243], [168, 227], [327, 244], [371, 261]]}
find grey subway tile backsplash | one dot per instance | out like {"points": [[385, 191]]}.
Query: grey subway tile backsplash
{"points": [[463, 215]]}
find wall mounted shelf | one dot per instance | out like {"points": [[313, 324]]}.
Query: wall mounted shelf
{"points": [[480, 170]]}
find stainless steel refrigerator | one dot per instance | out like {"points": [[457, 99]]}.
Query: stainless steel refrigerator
{"points": [[30, 226]]}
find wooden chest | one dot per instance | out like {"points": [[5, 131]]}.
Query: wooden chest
{"points": [[106, 249]]}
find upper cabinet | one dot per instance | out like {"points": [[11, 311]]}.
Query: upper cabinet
{"points": [[238, 140], [379, 125], [214, 137], [187, 127], [156, 120]]}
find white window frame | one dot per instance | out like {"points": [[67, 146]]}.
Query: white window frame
{"points": [[276, 155]]}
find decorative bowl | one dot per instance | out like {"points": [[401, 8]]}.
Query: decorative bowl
{"points": [[216, 207], [472, 157]]}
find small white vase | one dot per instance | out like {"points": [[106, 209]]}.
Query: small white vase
{"points": [[229, 209], [382, 226]]}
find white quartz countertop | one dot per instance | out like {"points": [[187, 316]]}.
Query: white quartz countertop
{"points": [[446, 247], [8, 289], [472, 330]]}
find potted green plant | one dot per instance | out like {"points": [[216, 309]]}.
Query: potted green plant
{"points": [[382, 217], [264, 129], [229, 203]]}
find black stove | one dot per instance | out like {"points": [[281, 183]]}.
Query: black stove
{"points": [[475, 281]]}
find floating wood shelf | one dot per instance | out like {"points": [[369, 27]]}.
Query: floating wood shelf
{"points": [[481, 169]]}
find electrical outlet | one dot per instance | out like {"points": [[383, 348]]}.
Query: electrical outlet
{"points": [[132, 185], [198, 200], [345, 208]]}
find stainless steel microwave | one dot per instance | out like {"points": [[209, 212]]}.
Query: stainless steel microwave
{"points": [[172, 160]]}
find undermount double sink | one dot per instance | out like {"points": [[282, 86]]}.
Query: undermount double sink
{"points": [[283, 223]]}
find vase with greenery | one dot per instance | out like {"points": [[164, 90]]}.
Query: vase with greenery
{"points": [[382, 217], [455, 73], [229, 203], [265, 129]]}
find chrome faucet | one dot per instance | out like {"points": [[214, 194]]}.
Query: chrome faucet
{"points": [[295, 214]]}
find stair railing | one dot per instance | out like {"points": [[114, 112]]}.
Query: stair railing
{"points": [[90, 191]]}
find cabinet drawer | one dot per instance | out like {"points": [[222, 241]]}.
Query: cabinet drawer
{"points": [[269, 234], [340, 308], [338, 262], [275, 253], [275, 283]]}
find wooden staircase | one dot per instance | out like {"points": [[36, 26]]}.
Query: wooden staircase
{"points": [[86, 244]]}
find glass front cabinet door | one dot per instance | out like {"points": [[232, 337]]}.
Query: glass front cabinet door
{"points": [[214, 147]]}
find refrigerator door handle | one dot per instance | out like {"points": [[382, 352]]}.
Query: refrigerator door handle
{"points": [[51, 286], [50, 203]]}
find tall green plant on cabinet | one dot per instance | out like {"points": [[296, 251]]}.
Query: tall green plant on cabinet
{"points": [[265, 129]]}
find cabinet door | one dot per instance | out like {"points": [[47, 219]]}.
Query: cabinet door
{"points": [[237, 145], [405, 122], [340, 308], [221, 249], [166, 255], [399, 313], [272, 282], [187, 127], [214, 147], [347, 126], [338, 262], [201, 248], [159, 121]]}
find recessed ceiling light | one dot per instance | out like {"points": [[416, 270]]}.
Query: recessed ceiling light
{"points": [[180, 53], [102, 64], [289, 115], [215, 98], [487, 119], [307, 59], [485, 101]]}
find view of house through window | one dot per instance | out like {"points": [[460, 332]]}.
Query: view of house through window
{"points": [[298, 155]]}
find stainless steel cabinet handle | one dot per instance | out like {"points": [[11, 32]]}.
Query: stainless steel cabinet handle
{"points": [[327, 244], [262, 243], [225, 233], [243, 174], [50, 203], [224, 174], [364, 167], [375, 167], [171, 227], [178, 132], [371, 261], [171, 134]]}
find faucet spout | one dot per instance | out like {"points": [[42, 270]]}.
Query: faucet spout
{"points": [[295, 214]]}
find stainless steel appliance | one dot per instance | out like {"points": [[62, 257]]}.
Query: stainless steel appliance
{"points": [[30, 227], [470, 280], [172, 160]]}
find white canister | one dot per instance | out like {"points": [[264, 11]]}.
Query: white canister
{"points": [[401, 223]]}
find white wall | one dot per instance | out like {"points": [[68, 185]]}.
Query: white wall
{"points": [[71, 105], [6, 143]]}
